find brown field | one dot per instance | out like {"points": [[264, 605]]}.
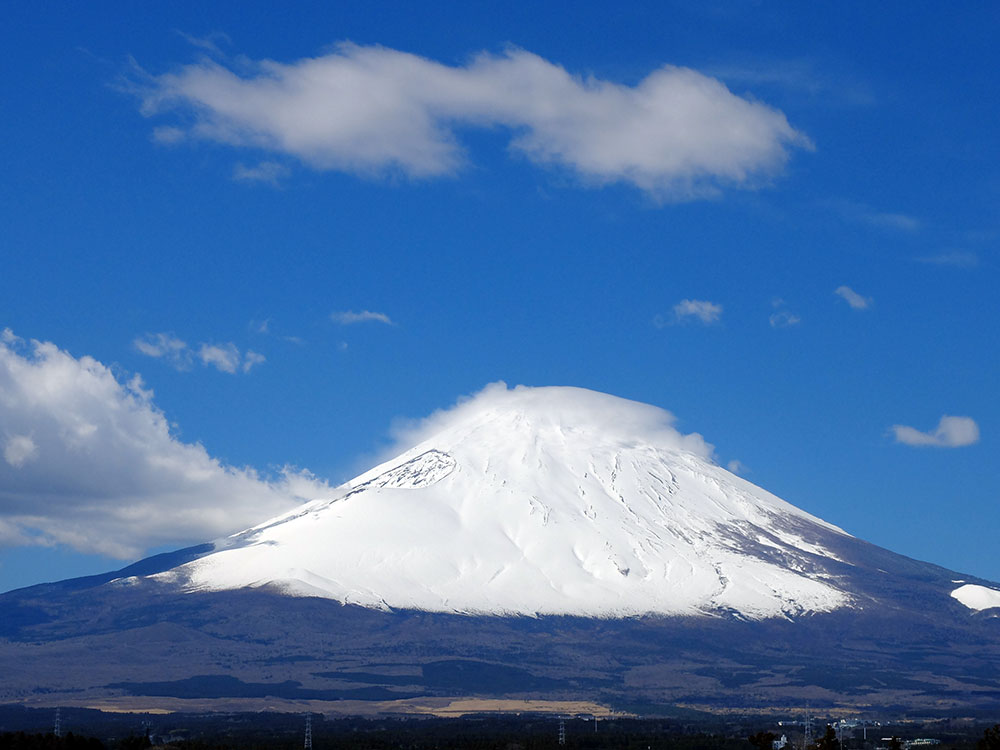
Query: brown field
{"points": [[443, 707]]}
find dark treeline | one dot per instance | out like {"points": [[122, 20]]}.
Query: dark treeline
{"points": [[265, 731], [69, 741]]}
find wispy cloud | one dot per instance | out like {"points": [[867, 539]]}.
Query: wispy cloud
{"points": [[695, 309], [737, 467], [223, 357], [265, 328], [901, 222], [677, 134], [801, 77], [782, 317], [251, 359], [165, 346], [951, 432], [862, 214], [89, 461], [210, 43], [168, 134], [268, 172], [852, 298], [956, 258], [349, 317], [688, 310]]}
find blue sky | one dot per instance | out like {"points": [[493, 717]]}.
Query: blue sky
{"points": [[299, 225]]}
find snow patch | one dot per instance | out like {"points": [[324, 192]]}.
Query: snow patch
{"points": [[977, 597]]}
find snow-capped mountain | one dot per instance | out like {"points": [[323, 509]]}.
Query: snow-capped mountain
{"points": [[542, 501], [550, 543]]}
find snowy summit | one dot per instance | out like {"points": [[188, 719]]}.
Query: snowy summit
{"points": [[542, 501]]}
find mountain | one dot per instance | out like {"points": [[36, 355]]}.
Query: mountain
{"points": [[552, 501], [537, 542]]}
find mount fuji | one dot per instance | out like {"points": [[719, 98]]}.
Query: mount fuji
{"points": [[533, 542], [547, 501]]}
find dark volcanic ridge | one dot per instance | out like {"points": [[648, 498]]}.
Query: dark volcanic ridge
{"points": [[64, 645]]}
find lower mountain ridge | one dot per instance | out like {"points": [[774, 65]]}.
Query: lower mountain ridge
{"points": [[533, 543]]}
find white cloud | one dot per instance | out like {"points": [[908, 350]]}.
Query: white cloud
{"points": [[168, 135], [349, 317], [675, 134], [951, 432], [269, 172], [19, 450], [784, 319], [12, 536], [223, 357], [737, 467], [165, 346], [90, 463], [855, 300], [251, 359], [607, 415], [702, 310]]}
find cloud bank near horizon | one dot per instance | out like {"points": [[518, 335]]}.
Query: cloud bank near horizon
{"points": [[90, 462], [677, 134]]}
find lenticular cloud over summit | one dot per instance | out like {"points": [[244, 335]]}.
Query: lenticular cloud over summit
{"points": [[579, 407]]}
